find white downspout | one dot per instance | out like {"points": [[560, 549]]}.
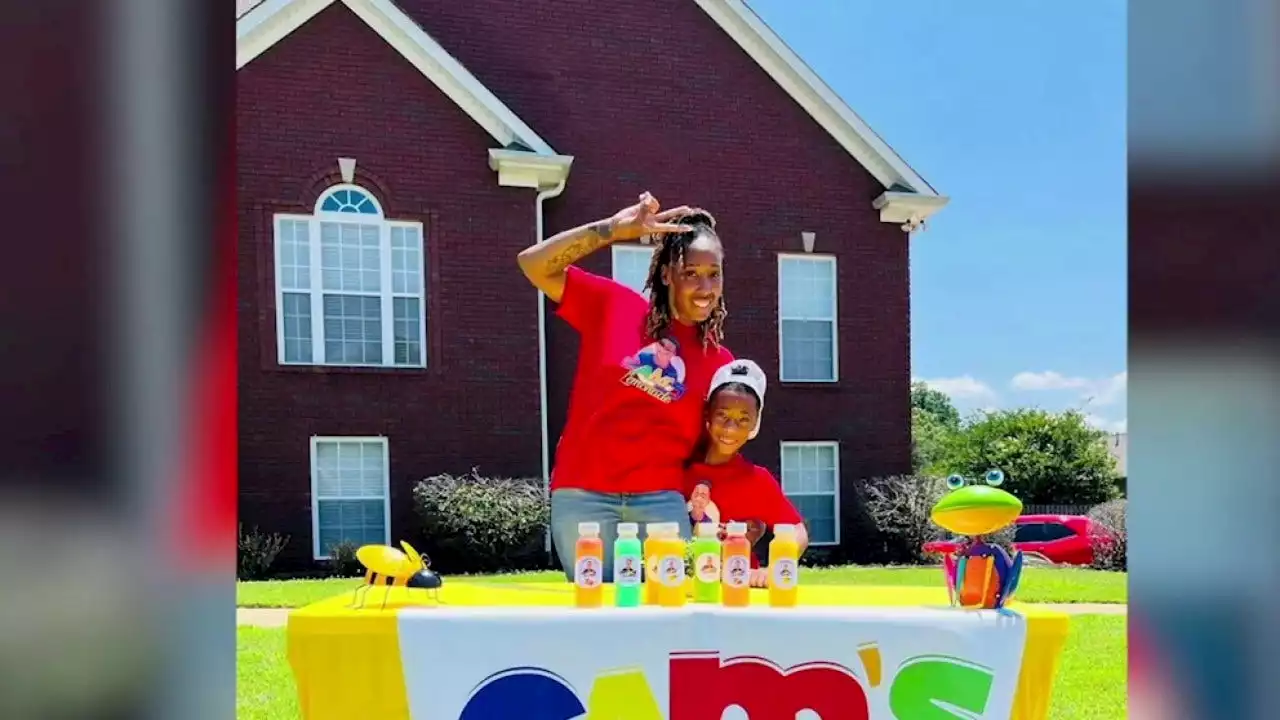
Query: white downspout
{"points": [[542, 353]]}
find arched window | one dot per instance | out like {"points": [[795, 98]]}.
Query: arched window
{"points": [[350, 284]]}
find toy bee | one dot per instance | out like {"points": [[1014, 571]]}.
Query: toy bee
{"points": [[389, 568]]}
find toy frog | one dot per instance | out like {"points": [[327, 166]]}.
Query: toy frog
{"points": [[980, 574]]}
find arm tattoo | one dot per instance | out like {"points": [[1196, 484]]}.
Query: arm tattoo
{"points": [[590, 240]]}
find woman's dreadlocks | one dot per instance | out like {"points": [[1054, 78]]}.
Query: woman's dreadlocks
{"points": [[670, 253]]}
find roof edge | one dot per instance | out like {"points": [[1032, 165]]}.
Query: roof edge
{"points": [[266, 24]]}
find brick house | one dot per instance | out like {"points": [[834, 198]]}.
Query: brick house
{"points": [[395, 156]]}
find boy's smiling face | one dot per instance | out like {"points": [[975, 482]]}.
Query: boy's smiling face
{"points": [[731, 415]]}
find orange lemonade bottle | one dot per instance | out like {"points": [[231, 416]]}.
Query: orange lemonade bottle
{"points": [[588, 567], [652, 536], [784, 566], [736, 567], [671, 567]]}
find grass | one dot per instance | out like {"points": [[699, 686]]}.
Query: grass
{"points": [[1091, 682], [1038, 585]]}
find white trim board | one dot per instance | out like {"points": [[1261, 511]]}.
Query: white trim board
{"points": [[271, 21], [806, 88]]}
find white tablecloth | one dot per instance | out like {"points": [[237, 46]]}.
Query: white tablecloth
{"points": [[709, 663]]}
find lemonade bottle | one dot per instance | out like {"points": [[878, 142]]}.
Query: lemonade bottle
{"points": [[628, 559], [784, 566], [588, 565], [706, 564], [652, 536], [736, 590], [671, 566]]}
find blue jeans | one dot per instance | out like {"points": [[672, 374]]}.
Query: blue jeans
{"points": [[570, 506]]}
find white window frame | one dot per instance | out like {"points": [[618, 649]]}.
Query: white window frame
{"points": [[317, 292], [834, 494], [835, 316], [317, 552], [630, 249]]}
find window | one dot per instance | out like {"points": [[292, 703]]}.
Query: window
{"points": [[811, 480], [631, 265], [1041, 532], [349, 285], [807, 318], [350, 492]]}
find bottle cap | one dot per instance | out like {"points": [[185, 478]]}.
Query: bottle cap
{"points": [[783, 529], [628, 529], [671, 529], [736, 528], [588, 529], [708, 530]]}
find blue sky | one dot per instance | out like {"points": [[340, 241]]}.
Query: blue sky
{"points": [[1016, 110]]}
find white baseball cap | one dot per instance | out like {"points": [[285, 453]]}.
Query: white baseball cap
{"points": [[748, 373]]}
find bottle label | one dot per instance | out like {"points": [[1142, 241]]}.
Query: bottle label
{"points": [[737, 571], [626, 570], [708, 567], [586, 572], [784, 574], [672, 570]]}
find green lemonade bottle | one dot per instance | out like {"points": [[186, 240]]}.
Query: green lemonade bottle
{"points": [[706, 564], [628, 560]]}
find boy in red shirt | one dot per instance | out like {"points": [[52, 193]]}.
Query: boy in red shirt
{"points": [[725, 487]]}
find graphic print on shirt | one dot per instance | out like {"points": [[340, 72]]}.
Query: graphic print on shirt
{"points": [[657, 370], [701, 508]]}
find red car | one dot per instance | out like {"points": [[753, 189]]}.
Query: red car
{"points": [[1059, 539]]}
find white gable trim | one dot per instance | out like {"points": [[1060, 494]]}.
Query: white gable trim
{"points": [[833, 114], [270, 22]]}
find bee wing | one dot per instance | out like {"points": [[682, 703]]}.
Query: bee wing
{"points": [[382, 559], [414, 558]]}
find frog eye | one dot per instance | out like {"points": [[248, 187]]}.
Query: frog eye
{"points": [[955, 482], [995, 478]]}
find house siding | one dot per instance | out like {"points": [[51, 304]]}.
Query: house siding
{"points": [[641, 106]]}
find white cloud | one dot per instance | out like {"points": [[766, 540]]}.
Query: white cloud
{"points": [[965, 387], [1093, 391], [1112, 426]]}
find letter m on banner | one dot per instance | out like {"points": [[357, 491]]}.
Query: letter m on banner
{"points": [[702, 687]]}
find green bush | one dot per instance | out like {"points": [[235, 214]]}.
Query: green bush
{"points": [[1111, 548], [1047, 458], [897, 509], [256, 552], [473, 523], [342, 560]]}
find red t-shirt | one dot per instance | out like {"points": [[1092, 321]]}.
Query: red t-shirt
{"points": [[738, 491], [635, 410]]}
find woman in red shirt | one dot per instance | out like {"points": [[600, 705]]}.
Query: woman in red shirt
{"points": [[644, 366]]}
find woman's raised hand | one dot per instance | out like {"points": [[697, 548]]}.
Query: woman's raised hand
{"points": [[643, 219]]}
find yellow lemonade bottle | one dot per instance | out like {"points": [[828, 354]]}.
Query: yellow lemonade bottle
{"points": [[671, 546], [652, 536], [784, 566]]}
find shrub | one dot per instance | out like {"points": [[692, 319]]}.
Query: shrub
{"points": [[256, 552], [898, 510], [1111, 546], [343, 562], [473, 523]]}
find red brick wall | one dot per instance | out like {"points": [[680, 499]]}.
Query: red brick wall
{"points": [[332, 89], [645, 96]]}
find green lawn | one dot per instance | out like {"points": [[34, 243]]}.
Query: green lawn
{"points": [[1091, 682], [1038, 585]]}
